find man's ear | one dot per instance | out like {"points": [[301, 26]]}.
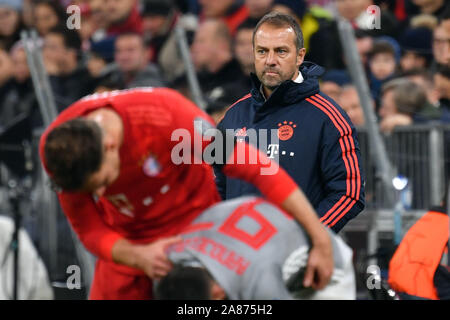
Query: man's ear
{"points": [[217, 292], [301, 56], [109, 143]]}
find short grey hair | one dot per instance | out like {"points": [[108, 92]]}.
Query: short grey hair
{"points": [[278, 19], [409, 97]]}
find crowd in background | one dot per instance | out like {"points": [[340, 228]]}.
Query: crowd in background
{"points": [[131, 43]]}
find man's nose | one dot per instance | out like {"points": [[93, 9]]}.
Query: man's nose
{"points": [[100, 191], [271, 59]]}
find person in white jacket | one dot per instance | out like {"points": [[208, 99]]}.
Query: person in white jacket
{"points": [[34, 283]]}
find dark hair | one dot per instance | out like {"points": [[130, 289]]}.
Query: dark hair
{"points": [[443, 70], [184, 283], [445, 15], [71, 38], [56, 7], [381, 47], [249, 23], [279, 20], [130, 34], [421, 72], [73, 151]]}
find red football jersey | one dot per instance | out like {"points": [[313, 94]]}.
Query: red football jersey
{"points": [[153, 197]]}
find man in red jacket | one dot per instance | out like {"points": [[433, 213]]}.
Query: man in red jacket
{"points": [[111, 156]]}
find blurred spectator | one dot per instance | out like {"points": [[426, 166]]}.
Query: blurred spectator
{"points": [[10, 23], [16, 93], [424, 79], [424, 21], [131, 57], [122, 16], [232, 12], [416, 49], [442, 83], [6, 67], [441, 45], [434, 7], [293, 8], [364, 44], [97, 20], [27, 13], [243, 51], [47, 15], [108, 82], [159, 21], [219, 99], [332, 82], [403, 103], [314, 21], [100, 55], [326, 39], [382, 66], [349, 101], [213, 57], [441, 39], [356, 12], [69, 78], [258, 8]]}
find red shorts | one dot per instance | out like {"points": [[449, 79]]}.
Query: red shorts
{"points": [[117, 282]]}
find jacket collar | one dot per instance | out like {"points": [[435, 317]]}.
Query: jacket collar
{"points": [[289, 92]]}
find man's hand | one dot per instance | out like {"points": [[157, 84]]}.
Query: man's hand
{"points": [[320, 266], [153, 259], [320, 262], [150, 258]]}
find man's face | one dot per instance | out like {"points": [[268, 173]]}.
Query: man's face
{"points": [[243, 48], [276, 56], [9, 19], [258, 8], [204, 46], [331, 89], [21, 71], [441, 43], [54, 49], [442, 85], [118, 10], [153, 25], [349, 101], [44, 18], [411, 60], [364, 45], [109, 171], [388, 107], [130, 54], [215, 8]]}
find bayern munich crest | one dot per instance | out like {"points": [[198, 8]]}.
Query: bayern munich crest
{"points": [[151, 167]]}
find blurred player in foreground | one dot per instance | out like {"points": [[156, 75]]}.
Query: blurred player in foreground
{"points": [[130, 178], [249, 249]]}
